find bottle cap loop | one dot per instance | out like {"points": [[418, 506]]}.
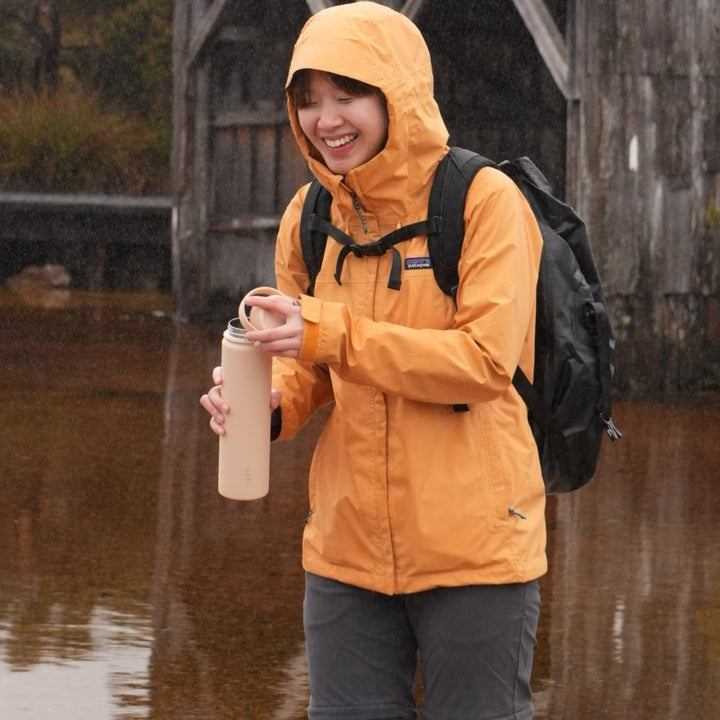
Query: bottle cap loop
{"points": [[259, 318]]}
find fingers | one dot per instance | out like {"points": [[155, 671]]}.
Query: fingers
{"points": [[284, 347], [216, 406], [217, 424], [284, 340], [275, 399], [281, 304], [214, 403]]}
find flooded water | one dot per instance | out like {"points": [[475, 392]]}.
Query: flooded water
{"points": [[130, 589]]}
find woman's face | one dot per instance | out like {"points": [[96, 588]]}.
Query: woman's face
{"points": [[347, 130]]}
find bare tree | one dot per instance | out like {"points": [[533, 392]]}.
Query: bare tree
{"points": [[40, 22]]}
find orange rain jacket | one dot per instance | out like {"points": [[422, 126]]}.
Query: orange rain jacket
{"points": [[405, 493]]}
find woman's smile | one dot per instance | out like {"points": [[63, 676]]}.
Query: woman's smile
{"points": [[340, 142]]}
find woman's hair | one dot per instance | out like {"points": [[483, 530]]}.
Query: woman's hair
{"points": [[299, 88]]}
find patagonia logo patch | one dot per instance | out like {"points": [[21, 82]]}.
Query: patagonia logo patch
{"points": [[418, 263]]}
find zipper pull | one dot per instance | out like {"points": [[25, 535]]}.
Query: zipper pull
{"points": [[610, 428]]}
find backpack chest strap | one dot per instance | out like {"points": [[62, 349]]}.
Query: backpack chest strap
{"points": [[376, 248]]}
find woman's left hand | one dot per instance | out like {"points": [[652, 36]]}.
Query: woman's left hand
{"points": [[284, 340]]}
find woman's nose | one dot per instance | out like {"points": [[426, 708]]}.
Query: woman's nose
{"points": [[329, 116]]}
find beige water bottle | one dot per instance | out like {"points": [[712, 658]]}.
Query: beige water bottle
{"points": [[244, 452]]}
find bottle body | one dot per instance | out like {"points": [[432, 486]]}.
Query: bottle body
{"points": [[244, 449]]}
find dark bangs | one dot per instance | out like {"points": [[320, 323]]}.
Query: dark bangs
{"points": [[299, 88]]}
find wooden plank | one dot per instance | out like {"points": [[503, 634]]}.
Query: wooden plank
{"points": [[705, 37], [679, 16], [223, 174], [227, 79], [190, 279], [245, 223], [237, 118], [179, 100], [573, 144], [412, 7], [653, 22], [293, 171], [242, 189], [674, 264], [266, 166], [317, 5], [549, 41], [675, 116], [80, 203], [211, 21]]}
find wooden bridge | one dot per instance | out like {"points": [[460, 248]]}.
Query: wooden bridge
{"points": [[103, 241]]}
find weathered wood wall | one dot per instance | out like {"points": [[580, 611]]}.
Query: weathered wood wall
{"points": [[235, 161], [647, 151], [635, 145]]}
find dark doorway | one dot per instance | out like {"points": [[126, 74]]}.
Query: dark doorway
{"points": [[495, 92]]}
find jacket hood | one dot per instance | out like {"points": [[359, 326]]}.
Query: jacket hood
{"points": [[369, 42]]}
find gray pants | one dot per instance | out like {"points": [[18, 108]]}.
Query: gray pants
{"points": [[476, 647]]}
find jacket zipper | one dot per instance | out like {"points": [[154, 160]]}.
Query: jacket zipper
{"points": [[358, 210]]}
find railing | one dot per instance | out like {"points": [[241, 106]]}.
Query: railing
{"points": [[103, 240]]}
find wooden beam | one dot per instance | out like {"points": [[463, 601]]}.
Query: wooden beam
{"points": [[412, 7], [574, 142], [317, 5], [210, 23], [550, 43]]}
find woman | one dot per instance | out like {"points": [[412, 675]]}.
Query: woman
{"points": [[426, 526]]}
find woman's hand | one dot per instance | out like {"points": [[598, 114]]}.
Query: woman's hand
{"points": [[284, 340], [214, 403]]}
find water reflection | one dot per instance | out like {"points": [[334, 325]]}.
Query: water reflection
{"points": [[100, 673], [130, 589], [633, 619]]}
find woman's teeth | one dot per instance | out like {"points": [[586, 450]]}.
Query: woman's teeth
{"points": [[338, 142]]}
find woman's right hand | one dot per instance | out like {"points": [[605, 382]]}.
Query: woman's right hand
{"points": [[215, 404]]}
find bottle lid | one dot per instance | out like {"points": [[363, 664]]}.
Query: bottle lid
{"points": [[259, 318]]}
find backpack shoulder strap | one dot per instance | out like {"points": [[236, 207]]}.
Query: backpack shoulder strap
{"points": [[446, 209], [312, 239]]}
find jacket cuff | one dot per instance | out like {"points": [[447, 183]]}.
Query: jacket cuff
{"points": [[311, 310]]}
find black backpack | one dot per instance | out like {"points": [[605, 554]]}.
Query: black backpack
{"points": [[570, 400]]}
